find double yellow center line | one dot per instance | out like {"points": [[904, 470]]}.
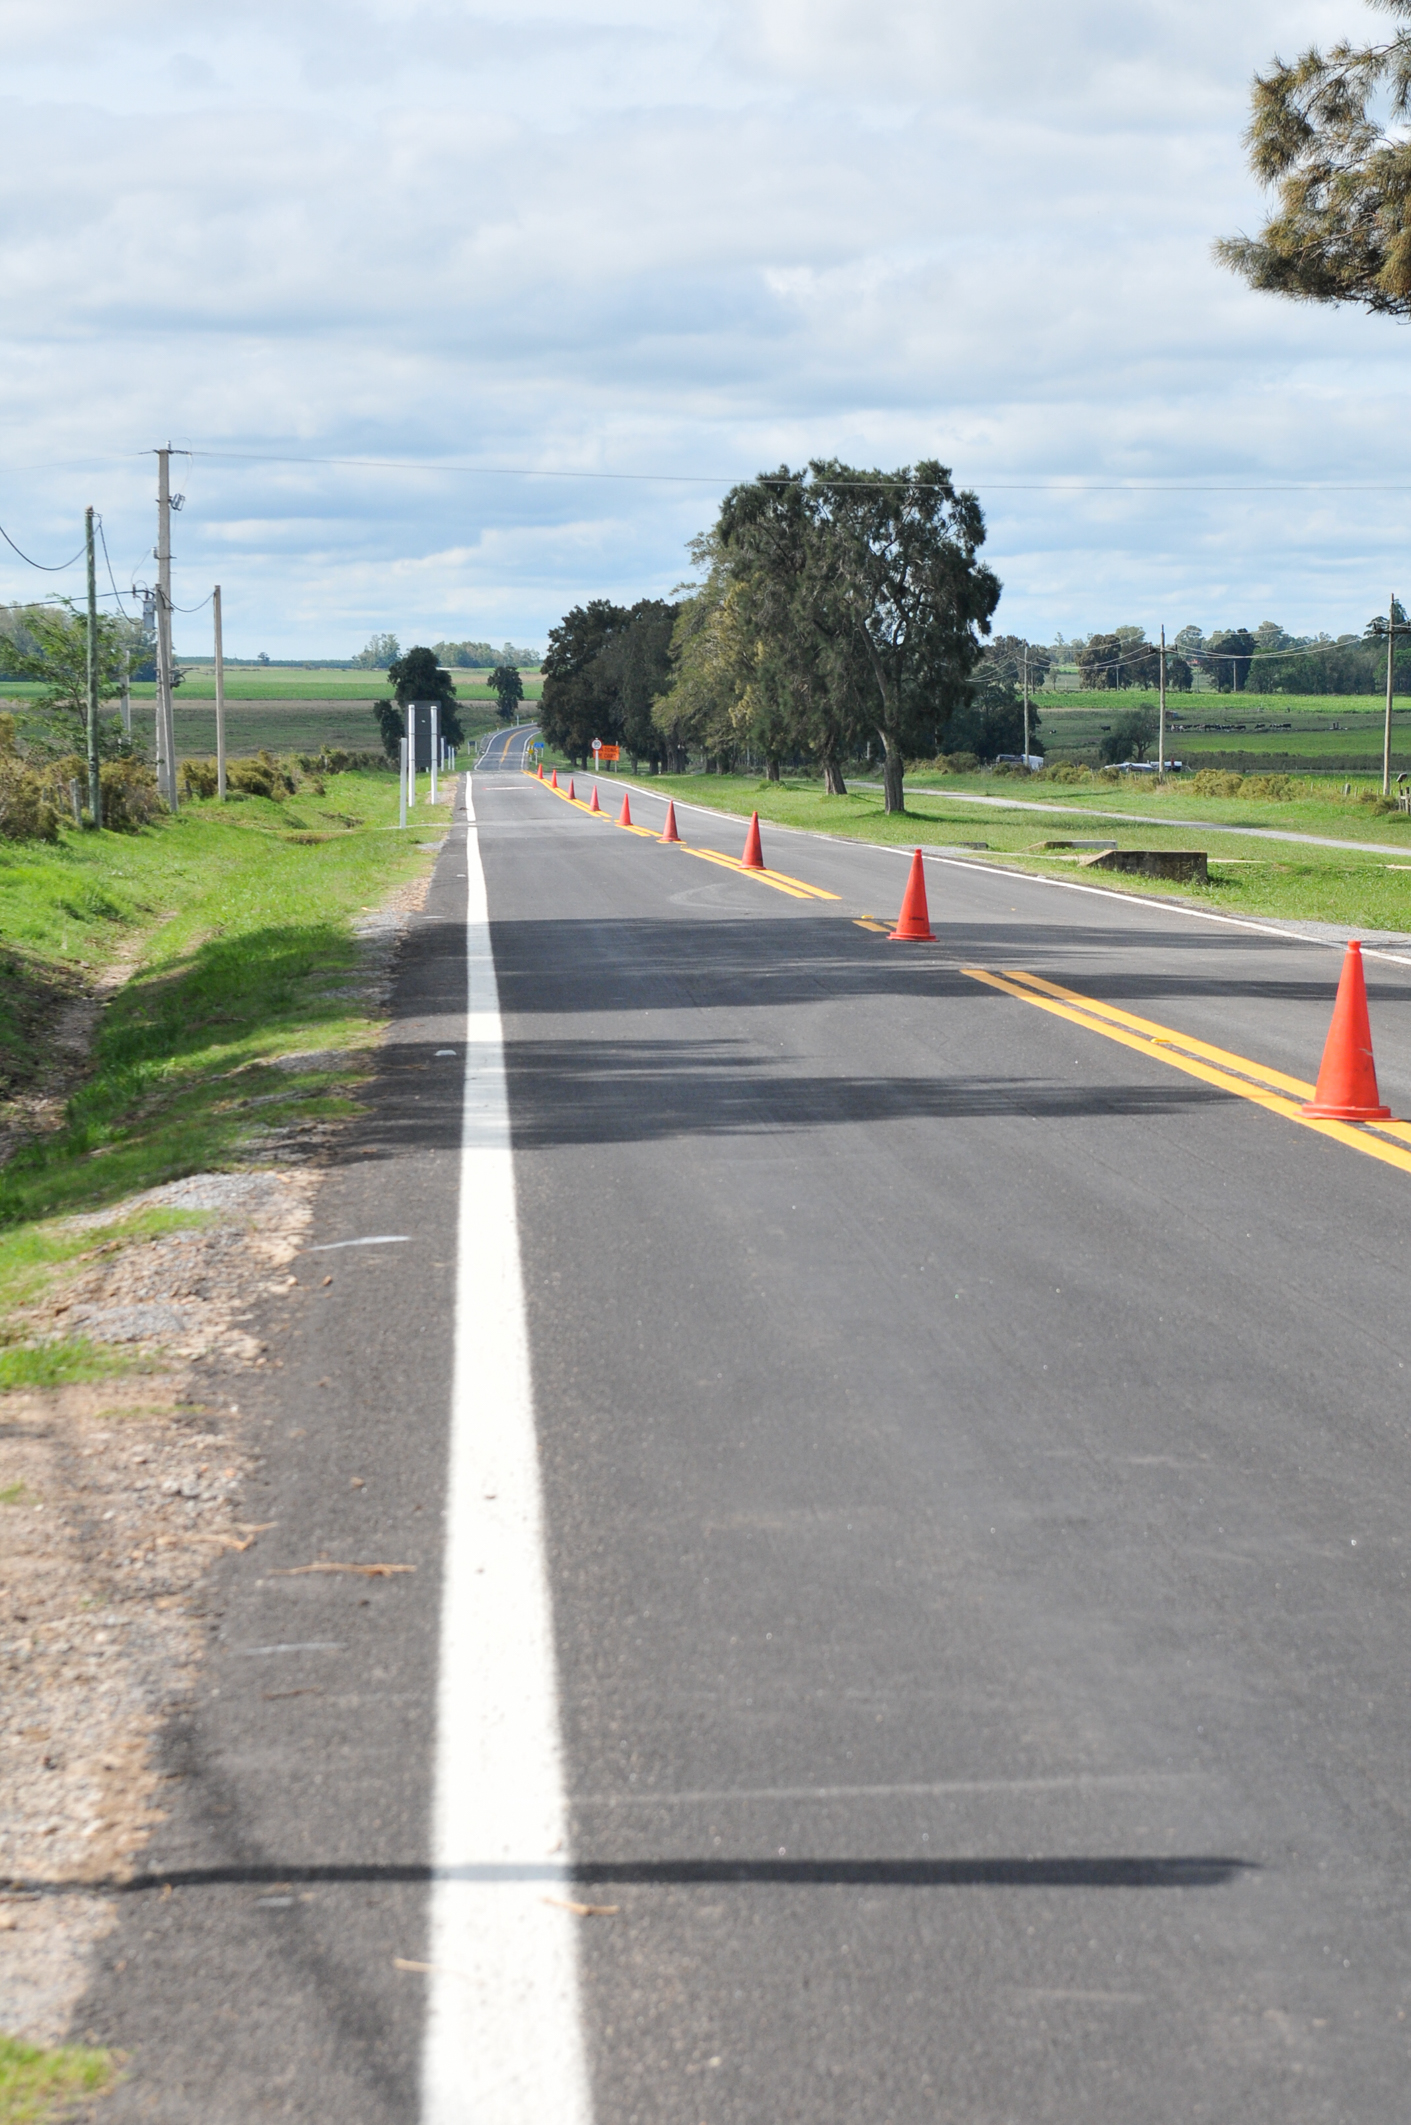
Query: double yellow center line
{"points": [[1197, 1058], [796, 888]]}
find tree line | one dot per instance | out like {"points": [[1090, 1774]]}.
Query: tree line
{"points": [[1234, 660], [384, 650], [837, 612]]}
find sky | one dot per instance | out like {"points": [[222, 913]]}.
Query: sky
{"points": [[570, 269]]}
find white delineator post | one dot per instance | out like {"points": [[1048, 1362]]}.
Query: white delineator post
{"points": [[1161, 727], [402, 784], [435, 746]]}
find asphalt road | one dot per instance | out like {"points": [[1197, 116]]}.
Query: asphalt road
{"points": [[974, 1456], [507, 748]]}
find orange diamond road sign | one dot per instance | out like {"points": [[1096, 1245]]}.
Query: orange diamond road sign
{"points": [[608, 752]]}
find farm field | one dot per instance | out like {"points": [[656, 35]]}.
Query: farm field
{"points": [[280, 710], [1269, 733]]}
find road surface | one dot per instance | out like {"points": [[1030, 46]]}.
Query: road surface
{"points": [[507, 748], [960, 1450]]}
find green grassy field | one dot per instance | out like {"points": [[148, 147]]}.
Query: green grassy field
{"points": [[1306, 733], [280, 709], [239, 921], [1326, 885]]}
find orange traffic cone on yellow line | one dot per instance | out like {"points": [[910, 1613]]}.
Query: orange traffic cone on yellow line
{"points": [[572, 793], [1347, 1076], [668, 832], [595, 806], [914, 921], [554, 779], [541, 770], [753, 858], [624, 817]]}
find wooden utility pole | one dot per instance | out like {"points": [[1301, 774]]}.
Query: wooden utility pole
{"points": [[95, 782], [220, 697], [1386, 730], [1161, 714], [1026, 708], [166, 722]]}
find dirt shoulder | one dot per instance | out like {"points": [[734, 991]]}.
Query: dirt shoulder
{"points": [[116, 1495]]}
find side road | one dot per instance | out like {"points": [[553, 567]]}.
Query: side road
{"points": [[1200, 826]]}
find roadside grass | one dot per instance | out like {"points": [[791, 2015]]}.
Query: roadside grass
{"points": [[40, 1365], [1325, 885], [38, 2085], [246, 1016]]}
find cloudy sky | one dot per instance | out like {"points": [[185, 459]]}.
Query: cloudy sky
{"points": [[668, 243]]}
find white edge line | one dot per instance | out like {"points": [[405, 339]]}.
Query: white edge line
{"points": [[503, 2042]]}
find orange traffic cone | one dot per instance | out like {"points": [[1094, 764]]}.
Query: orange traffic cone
{"points": [[914, 921], [541, 770], [595, 806], [753, 858], [624, 817], [1347, 1076], [554, 779], [668, 832], [572, 793]]}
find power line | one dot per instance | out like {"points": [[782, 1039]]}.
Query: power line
{"points": [[1059, 485], [42, 565], [111, 577]]}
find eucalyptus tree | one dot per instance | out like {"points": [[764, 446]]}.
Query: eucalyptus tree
{"points": [[1329, 134], [799, 619], [904, 550]]}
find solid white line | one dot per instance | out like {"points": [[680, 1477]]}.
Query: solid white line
{"points": [[503, 2038]]}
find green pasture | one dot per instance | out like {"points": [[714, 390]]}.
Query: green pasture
{"points": [[1260, 733]]}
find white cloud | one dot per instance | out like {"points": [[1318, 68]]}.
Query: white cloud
{"points": [[651, 237]]}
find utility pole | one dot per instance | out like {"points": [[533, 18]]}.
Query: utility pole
{"points": [[166, 731], [1161, 713], [127, 693], [220, 697], [166, 720], [1026, 708], [95, 784], [1386, 732]]}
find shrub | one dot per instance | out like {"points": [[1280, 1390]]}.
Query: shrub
{"points": [[8, 745], [1376, 802], [260, 777], [26, 813], [131, 798], [198, 778], [1216, 782], [1277, 789], [1064, 771]]}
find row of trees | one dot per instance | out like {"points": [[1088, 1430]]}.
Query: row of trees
{"points": [[837, 610], [1266, 661], [384, 650]]}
